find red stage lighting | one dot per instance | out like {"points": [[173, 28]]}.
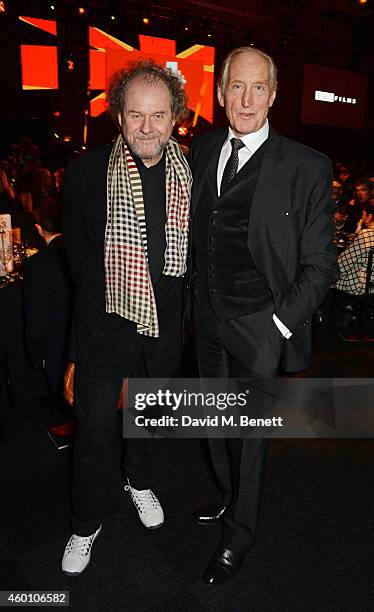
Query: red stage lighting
{"points": [[2, 7]]}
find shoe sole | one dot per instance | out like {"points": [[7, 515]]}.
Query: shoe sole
{"points": [[153, 526], [73, 574]]}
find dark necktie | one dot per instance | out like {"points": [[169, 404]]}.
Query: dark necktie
{"points": [[231, 167]]}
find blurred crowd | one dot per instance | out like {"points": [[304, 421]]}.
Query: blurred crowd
{"points": [[353, 196], [25, 186]]}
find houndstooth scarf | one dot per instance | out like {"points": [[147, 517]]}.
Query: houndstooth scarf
{"points": [[128, 286]]}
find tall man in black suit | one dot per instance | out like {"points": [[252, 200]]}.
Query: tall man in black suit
{"points": [[126, 229], [263, 261]]}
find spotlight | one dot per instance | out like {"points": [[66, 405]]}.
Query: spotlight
{"points": [[362, 2], [52, 7], [186, 28], [81, 10], [146, 20], [113, 18], [2, 7]]}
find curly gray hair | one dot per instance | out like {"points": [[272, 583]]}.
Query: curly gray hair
{"points": [[151, 72]]}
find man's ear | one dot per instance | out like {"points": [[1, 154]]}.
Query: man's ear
{"points": [[221, 97], [272, 97], [119, 117]]}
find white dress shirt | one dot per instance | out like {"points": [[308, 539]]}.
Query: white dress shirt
{"points": [[252, 142]]}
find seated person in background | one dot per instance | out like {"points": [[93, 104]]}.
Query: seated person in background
{"points": [[353, 261], [7, 201], [336, 192], [59, 179], [362, 193], [23, 218], [43, 187], [345, 177], [342, 223], [47, 301]]}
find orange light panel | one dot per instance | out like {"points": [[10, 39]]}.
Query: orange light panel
{"points": [[97, 70], [98, 105], [39, 67], [47, 25], [158, 46]]}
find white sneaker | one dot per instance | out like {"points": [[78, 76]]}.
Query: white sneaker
{"points": [[148, 507], [78, 553]]}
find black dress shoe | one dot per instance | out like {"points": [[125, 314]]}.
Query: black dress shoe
{"points": [[210, 514], [225, 564]]}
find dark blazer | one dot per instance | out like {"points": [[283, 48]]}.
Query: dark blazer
{"points": [[106, 345], [47, 308], [290, 229]]}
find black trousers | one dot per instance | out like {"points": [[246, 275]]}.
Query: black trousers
{"points": [[243, 347], [96, 414]]}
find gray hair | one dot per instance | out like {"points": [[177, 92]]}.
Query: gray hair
{"points": [[151, 72], [273, 71]]}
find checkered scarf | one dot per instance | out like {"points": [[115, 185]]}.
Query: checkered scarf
{"points": [[128, 286]]}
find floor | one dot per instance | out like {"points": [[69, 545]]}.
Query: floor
{"points": [[315, 544]]}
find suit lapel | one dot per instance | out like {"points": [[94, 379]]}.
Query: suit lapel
{"points": [[207, 166]]}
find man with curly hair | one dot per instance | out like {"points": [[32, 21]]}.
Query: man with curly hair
{"points": [[126, 208]]}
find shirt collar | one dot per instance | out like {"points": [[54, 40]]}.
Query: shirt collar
{"points": [[252, 141]]}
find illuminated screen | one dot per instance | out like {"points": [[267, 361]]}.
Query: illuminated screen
{"points": [[195, 66], [333, 97], [39, 63]]}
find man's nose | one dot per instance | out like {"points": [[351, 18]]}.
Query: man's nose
{"points": [[146, 126], [247, 97]]}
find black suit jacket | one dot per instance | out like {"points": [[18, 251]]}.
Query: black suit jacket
{"points": [[290, 229], [106, 345], [47, 308]]}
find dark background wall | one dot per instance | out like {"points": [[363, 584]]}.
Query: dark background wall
{"points": [[293, 32]]}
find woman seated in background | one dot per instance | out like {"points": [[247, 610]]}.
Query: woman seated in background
{"points": [[353, 260]]}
